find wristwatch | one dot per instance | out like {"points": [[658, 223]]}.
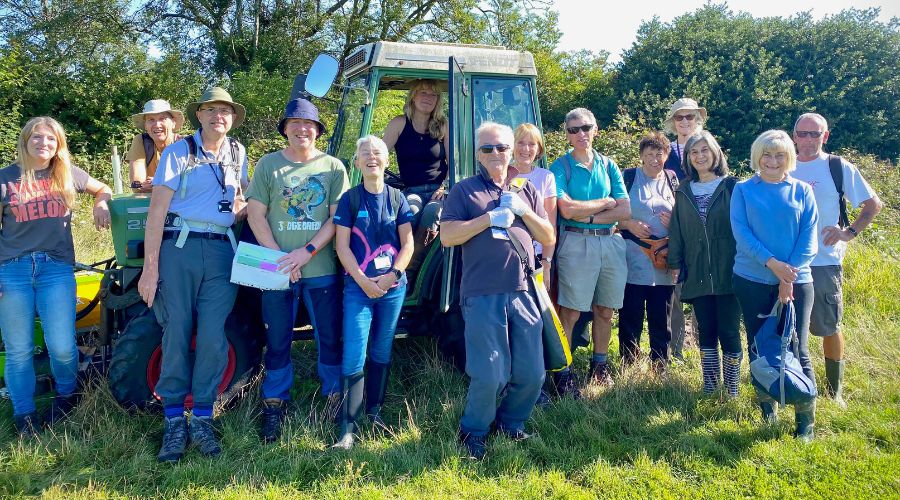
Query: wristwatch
{"points": [[311, 249], [398, 273], [854, 232]]}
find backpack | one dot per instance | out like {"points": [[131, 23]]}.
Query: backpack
{"points": [[776, 371], [394, 194], [837, 176], [150, 146]]}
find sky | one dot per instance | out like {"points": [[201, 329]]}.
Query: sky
{"points": [[612, 26]]}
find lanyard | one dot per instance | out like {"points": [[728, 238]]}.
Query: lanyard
{"points": [[221, 169]]}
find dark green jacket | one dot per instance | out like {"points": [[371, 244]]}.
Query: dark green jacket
{"points": [[704, 254]]}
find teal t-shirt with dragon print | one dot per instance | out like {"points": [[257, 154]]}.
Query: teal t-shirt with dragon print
{"points": [[299, 197]]}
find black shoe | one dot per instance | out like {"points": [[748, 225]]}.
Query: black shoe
{"points": [[28, 425], [475, 445], [175, 437], [600, 374], [61, 407], [567, 385], [204, 436], [543, 401], [272, 417]]}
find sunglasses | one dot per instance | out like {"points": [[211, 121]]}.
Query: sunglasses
{"points": [[689, 118], [808, 133], [583, 128], [490, 148]]}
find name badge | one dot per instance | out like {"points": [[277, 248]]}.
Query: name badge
{"points": [[498, 233], [382, 262]]}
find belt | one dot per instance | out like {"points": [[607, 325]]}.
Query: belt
{"points": [[603, 231], [173, 235]]}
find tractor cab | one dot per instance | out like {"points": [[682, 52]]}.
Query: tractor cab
{"points": [[480, 83]]}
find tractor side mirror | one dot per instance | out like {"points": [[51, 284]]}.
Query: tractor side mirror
{"points": [[321, 75]]}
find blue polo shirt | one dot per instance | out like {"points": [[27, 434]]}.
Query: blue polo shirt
{"points": [[601, 180]]}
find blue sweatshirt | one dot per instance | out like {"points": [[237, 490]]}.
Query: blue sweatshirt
{"points": [[773, 220]]}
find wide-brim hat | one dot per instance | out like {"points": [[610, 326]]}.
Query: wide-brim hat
{"points": [[158, 106], [216, 94], [686, 103], [301, 108]]}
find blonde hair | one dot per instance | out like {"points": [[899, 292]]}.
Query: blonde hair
{"points": [[777, 141], [61, 179], [529, 130], [437, 121]]}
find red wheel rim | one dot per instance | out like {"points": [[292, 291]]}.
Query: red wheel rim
{"points": [[154, 368]]}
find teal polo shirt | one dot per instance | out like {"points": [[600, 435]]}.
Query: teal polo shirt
{"points": [[602, 180]]}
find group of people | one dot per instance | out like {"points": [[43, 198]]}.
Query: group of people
{"points": [[677, 228]]}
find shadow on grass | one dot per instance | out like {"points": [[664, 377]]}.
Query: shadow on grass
{"points": [[641, 416]]}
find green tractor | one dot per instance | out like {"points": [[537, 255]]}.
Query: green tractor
{"points": [[120, 334]]}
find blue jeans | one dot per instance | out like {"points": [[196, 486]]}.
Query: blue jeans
{"points": [[322, 298], [37, 283], [369, 325]]}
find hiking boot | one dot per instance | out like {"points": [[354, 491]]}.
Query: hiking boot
{"points": [[567, 385], [600, 374], [834, 378], [61, 407], [543, 401], [175, 436], [203, 436], [28, 425], [475, 445], [272, 418], [805, 415]]}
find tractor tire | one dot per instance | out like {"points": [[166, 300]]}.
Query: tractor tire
{"points": [[135, 366]]}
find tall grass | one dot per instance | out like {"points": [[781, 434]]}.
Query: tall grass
{"points": [[645, 437]]}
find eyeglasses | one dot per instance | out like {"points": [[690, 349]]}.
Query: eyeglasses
{"points": [[689, 118], [490, 148], [583, 128], [808, 133], [217, 111]]}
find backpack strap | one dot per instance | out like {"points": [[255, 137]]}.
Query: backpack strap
{"points": [[836, 167], [671, 180], [149, 147], [355, 199], [628, 176], [395, 196]]}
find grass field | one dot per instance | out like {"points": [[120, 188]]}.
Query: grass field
{"points": [[645, 437]]}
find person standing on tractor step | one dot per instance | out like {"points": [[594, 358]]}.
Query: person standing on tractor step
{"points": [[503, 332], [188, 249], [590, 256], [374, 242], [825, 173], [773, 218], [291, 203], [37, 194], [419, 137], [684, 119], [160, 124]]}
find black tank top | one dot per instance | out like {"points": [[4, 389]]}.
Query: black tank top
{"points": [[420, 157]]}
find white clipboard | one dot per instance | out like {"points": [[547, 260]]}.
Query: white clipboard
{"points": [[257, 266]]}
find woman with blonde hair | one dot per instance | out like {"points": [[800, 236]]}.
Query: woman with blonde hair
{"points": [[527, 152], [37, 195], [774, 217], [420, 139]]}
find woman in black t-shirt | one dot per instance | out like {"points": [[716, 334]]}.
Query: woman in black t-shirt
{"points": [[419, 137], [37, 194]]}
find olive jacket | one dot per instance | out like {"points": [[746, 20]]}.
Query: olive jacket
{"points": [[704, 253]]}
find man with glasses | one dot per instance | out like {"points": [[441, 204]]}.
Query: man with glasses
{"points": [[188, 249], [590, 257], [503, 323], [834, 181]]}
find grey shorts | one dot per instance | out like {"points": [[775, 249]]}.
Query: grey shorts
{"points": [[592, 271], [828, 305]]}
